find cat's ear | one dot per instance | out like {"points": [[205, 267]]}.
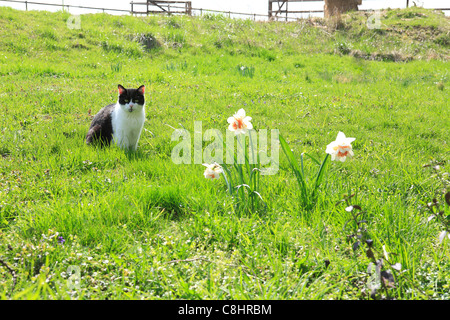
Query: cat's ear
{"points": [[141, 89], [122, 90]]}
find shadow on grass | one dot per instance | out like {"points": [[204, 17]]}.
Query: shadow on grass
{"points": [[169, 200]]}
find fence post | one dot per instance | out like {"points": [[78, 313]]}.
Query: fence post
{"points": [[270, 10], [201, 11], [132, 8], [407, 3], [168, 9], [26, 5], [287, 11], [229, 14]]}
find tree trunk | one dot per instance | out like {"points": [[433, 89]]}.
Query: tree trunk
{"points": [[336, 7]]}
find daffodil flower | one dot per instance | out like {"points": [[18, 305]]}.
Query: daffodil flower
{"points": [[341, 148], [239, 123], [212, 171]]}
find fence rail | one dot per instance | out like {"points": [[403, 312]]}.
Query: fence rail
{"points": [[253, 15], [64, 6], [282, 3], [200, 11], [163, 6]]}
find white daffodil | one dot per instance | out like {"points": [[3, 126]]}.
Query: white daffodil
{"points": [[341, 147], [212, 171], [239, 123]]}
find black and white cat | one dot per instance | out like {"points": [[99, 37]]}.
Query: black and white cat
{"points": [[121, 122]]}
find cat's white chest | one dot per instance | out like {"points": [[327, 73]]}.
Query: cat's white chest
{"points": [[127, 126]]}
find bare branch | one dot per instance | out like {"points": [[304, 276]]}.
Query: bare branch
{"points": [[13, 273]]}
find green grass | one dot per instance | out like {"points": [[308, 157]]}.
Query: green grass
{"points": [[139, 226]]}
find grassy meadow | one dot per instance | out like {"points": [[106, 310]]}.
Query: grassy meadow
{"points": [[135, 225]]}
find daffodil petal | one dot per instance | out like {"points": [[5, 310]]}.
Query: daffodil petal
{"points": [[231, 119], [340, 136], [241, 113]]}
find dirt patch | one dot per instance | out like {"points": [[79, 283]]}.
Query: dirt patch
{"points": [[393, 56], [148, 41]]}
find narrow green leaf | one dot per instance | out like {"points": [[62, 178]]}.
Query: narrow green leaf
{"points": [[312, 158], [294, 165], [319, 177]]}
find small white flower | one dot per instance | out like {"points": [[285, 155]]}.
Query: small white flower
{"points": [[212, 171], [341, 147], [239, 123]]}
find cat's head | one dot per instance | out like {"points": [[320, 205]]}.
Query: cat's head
{"points": [[131, 100]]}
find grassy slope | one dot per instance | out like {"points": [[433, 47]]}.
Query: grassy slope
{"points": [[125, 216]]}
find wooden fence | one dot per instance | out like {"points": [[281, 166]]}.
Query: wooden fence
{"points": [[163, 7], [65, 6], [275, 13], [198, 11]]}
